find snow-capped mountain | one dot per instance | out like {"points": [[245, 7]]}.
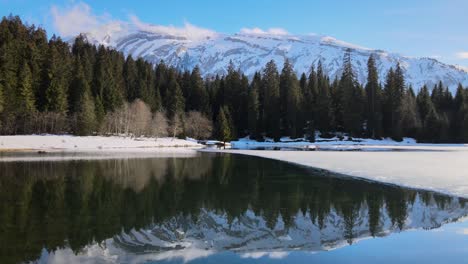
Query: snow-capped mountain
{"points": [[250, 51], [249, 235]]}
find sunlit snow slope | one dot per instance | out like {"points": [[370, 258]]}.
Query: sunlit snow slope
{"points": [[250, 52]]}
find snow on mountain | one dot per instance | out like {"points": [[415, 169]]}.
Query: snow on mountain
{"points": [[249, 235], [250, 50]]}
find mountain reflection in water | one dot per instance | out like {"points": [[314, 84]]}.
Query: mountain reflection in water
{"points": [[132, 210]]}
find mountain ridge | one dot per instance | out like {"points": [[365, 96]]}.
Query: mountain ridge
{"points": [[250, 51]]}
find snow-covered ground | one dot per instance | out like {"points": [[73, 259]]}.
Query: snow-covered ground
{"points": [[442, 168], [69, 143]]}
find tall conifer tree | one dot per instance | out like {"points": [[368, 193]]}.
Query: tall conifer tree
{"points": [[26, 98], [373, 102], [272, 93], [352, 98]]}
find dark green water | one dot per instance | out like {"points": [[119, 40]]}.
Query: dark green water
{"points": [[216, 208]]}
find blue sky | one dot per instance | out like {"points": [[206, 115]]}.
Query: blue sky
{"points": [[422, 28]]}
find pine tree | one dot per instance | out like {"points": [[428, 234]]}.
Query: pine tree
{"points": [[256, 85], [460, 107], [131, 79], [437, 96], [272, 93], [82, 105], [336, 105], [310, 97], [175, 99], [352, 98], [373, 102], [77, 86], [99, 109], [86, 115], [443, 100], [2, 100], [290, 96], [324, 119], [253, 112], [198, 97], [399, 93], [424, 102], [428, 114], [146, 85], [303, 83], [242, 124], [431, 127], [161, 81], [235, 98], [105, 82], [222, 126], [186, 86], [56, 84], [409, 117], [464, 127], [117, 70], [158, 101], [26, 98], [393, 94], [306, 105]]}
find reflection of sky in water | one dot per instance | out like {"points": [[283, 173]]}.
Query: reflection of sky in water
{"points": [[446, 245]]}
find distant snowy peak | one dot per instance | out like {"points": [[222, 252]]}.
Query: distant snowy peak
{"points": [[250, 50]]}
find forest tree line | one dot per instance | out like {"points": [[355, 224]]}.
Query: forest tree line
{"points": [[50, 86]]}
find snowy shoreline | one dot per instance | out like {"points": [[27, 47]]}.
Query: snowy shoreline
{"points": [[68, 143], [356, 144], [441, 169]]}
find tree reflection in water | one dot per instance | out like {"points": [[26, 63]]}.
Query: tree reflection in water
{"points": [[73, 204]]}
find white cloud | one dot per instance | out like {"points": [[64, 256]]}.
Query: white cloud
{"points": [[462, 55], [77, 18], [329, 39], [188, 30], [73, 19], [270, 31]]}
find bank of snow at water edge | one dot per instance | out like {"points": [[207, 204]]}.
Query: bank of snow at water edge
{"points": [[345, 144], [91, 143]]}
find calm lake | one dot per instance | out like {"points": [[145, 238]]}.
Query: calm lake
{"points": [[217, 208]]}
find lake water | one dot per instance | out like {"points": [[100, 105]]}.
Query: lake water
{"points": [[217, 208]]}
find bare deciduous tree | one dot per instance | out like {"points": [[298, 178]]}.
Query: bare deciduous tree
{"points": [[136, 119], [159, 125], [140, 118], [51, 122], [117, 122], [198, 126], [177, 126]]}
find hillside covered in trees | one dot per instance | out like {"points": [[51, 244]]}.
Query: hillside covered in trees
{"points": [[49, 86]]}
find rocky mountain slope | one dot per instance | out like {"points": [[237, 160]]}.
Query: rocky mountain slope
{"points": [[250, 52]]}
